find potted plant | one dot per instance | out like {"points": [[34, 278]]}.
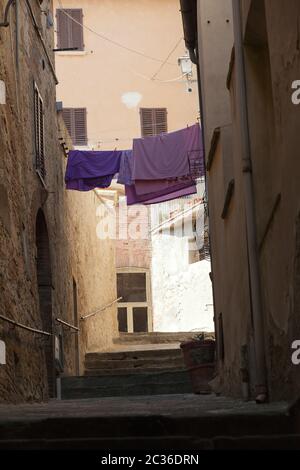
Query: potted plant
{"points": [[199, 358]]}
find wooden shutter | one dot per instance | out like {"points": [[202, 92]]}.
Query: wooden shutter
{"points": [[42, 139], [80, 126], [39, 133], [153, 121], [62, 29], [76, 29], [160, 119], [75, 120], [69, 32], [146, 122], [68, 118]]}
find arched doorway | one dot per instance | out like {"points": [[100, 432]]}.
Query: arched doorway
{"points": [[44, 281]]}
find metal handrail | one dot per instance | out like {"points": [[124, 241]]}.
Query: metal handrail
{"points": [[176, 216], [101, 309], [28, 328], [67, 324]]}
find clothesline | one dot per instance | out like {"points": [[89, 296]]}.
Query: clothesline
{"points": [[157, 169], [97, 140]]}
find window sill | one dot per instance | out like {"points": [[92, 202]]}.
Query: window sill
{"points": [[72, 53]]}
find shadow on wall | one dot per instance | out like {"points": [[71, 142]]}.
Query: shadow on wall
{"points": [[44, 282]]}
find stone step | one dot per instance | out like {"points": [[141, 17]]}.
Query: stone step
{"points": [[128, 390], [141, 364], [169, 443], [134, 354], [153, 338], [145, 383], [149, 427], [131, 371]]}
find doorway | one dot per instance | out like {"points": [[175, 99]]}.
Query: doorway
{"points": [[76, 334], [44, 283], [134, 309]]}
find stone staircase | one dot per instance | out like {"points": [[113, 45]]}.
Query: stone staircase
{"points": [[140, 364], [152, 338], [165, 423]]}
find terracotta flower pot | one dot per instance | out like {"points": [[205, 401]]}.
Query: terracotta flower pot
{"points": [[199, 358]]}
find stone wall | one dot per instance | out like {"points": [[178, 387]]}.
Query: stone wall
{"points": [[272, 64], [63, 246], [133, 247]]}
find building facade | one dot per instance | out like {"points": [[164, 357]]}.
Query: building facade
{"points": [[48, 241], [252, 173], [123, 81], [136, 61]]}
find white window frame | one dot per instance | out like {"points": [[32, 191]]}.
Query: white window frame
{"points": [[131, 305]]}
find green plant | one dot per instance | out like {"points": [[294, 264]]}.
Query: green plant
{"points": [[200, 337]]}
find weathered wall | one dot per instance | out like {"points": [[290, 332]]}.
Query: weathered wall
{"points": [[215, 38], [133, 245], [182, 297], [70, 221], [91, 263], [272, 64]]}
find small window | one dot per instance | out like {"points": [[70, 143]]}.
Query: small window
{"points": [[39, 133], [153, 121], [122, 319], [132, 287], [75, 121], [70, 28]]}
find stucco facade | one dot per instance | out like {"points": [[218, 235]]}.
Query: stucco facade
{"points": [[103, 77], [48, 241], [271, 51]]}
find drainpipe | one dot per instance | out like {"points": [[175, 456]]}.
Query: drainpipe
{"points": [[258, 322], [190, 27]]}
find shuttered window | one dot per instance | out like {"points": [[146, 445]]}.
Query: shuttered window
{"points": [[75, 120], [153, 121], [69, 28], [39, 133]]}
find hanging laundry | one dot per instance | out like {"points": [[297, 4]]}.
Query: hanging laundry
{"points": [[159, 168], [87, 170], [143, 187], [166, 155], [159, 196], [125, 173], [87, 184]]}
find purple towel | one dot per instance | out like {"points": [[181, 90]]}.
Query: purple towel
{"points": [[143, 187], [166, 155], [176, 194], [159, 196], [87, 184], [87, 170], [125, 173]]}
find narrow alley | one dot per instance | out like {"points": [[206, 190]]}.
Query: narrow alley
{"points": [[149, 226]]}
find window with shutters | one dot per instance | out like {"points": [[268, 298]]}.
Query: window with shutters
{"points": [[69, 28], [75, 120], [39, 133], [153, 121]]}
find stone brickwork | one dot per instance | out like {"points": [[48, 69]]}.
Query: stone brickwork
{"points": [[48, 242], [133, 248]]}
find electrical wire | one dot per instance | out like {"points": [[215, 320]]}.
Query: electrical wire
{"points": [[115, 43], [177, 79], [166, 59]]}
